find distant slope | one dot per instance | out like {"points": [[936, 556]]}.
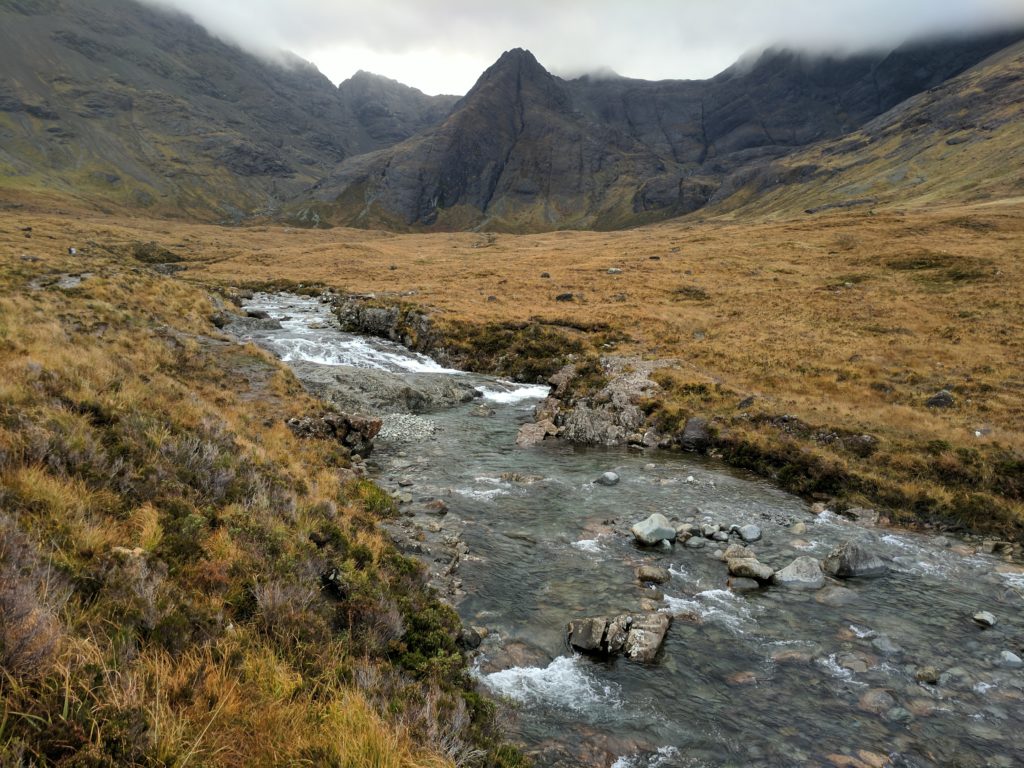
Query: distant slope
{"points": [[116, 103], [962, 141], [525, 150]]}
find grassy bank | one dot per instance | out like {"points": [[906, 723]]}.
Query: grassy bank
{"points": [[182, 580]]}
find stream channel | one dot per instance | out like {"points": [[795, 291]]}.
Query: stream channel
{"points": [[773, 677]]}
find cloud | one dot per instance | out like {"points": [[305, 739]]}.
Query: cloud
{"points": [[443, 46]]}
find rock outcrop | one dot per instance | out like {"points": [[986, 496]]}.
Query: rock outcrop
{"points": [[356, 433]]}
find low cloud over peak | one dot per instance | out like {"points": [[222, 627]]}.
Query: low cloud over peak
{"points": [[443, 46]]}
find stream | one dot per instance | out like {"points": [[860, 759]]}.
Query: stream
{"points": [[523, 540]]}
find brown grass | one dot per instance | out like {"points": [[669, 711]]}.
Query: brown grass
{"points": [[846, 320]]}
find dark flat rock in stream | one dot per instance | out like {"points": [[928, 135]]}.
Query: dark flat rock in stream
{"points": [[365, 390]]}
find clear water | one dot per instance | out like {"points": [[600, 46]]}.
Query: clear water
{"points": [[771, 678]]}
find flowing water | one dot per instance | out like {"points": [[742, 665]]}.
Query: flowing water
{"points": [[771, 678]]}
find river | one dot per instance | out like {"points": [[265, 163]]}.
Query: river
{"points": [[773, 677]]}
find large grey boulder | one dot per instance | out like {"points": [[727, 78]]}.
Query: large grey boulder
{"points": [[654, 530], [852, 560], [535, 432], [608, 478], [802, 573], [750, 533]]}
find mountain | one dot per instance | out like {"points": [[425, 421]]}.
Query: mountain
{"points": [[114, 102], [525, 150], [960, 141]]}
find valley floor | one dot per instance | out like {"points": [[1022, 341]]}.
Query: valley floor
{"points": [[844, 323]]}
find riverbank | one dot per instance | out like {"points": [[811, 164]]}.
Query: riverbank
{"points": [[192, 566]]}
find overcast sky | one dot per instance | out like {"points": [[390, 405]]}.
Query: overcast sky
{"points": [[443, 46]]}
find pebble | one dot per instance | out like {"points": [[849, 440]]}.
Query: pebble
{"points": [[985, 619]]}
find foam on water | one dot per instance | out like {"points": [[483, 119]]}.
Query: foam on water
{"points": [[718, 606], [565, 683], [587, 545], [517, 393], [659, 759]]}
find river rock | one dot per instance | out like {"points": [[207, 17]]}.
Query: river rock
{"points": [[836, 596], [638, 636], [750, 568], [985, 619], [695, 435], [653, 573], [877, 701], [750, 533], [1010, 660], [740, 584], [535, 432], [737, 551], [608, 478], [802, 573], [851, 560], [927, 674], [710, 529], [884, 645], [646, 635], [654, 530], [798, 529], [696, 542], [719, 536], [587, 634]]}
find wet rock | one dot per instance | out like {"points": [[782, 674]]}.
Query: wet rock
{"points": [[750, 533], [617, 633], [709, 529], [750, 568], [654, 530], [695, 435], [876, 701], [653, 573], [608, 479], [798, 529], [587, 634], [689, 529], [741, 584], [534, 433], [436, 507], [898, 715], [646, 635], [1010, 660], [639, 637], [836, 596], [985, 619], [927, 674], [696, 542], [719, 536], [884, 645], [865, 517], [747, 677], [941, 399], [469, 639], [852, 560], [802, 573], [736, 551], [791, 656]]}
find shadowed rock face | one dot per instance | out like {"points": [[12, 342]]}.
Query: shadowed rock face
{"points": [[527, 150]]}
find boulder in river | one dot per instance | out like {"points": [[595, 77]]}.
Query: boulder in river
{"points": [[852, 560], [608, 478], [985, 619], [534, 433], [653, 573], [750, 533], [654, 530], [750, 568], [802, 573], [638, 636], [695, 435], [1010, 660]]}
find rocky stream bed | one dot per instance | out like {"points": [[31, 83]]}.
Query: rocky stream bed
{"points": [[749, 630]]}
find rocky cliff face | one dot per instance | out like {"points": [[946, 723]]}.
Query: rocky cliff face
{"points": [[527, 150]]}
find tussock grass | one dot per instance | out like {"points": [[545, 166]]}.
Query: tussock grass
{"points": [[182, 580]]}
